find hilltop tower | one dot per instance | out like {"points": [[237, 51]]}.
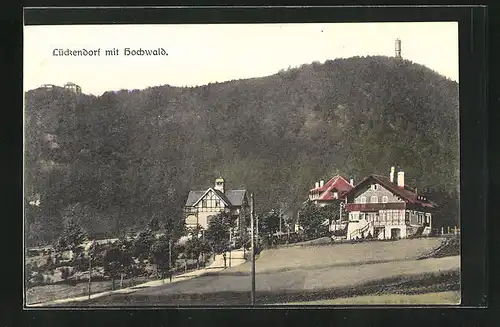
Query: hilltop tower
{"points": [[397, 48]]}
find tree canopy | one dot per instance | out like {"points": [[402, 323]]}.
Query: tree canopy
{"points": [[117, 160]]}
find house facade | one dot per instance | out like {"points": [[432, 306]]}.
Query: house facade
{"points": [[385, 209], [202, 205]]}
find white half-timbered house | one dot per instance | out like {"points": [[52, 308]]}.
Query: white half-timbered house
{"points": [[201, 206]]}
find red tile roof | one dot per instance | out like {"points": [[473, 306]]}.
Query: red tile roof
{"points": [[404, 192], [336, 184]]}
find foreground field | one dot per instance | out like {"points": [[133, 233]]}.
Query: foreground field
{"points": [[451, 297], [236, 291], [314, 257], [314, 273], [46, 293]]}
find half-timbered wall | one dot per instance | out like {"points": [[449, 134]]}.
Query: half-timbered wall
{"points": [[376, 192], [211, 202]]}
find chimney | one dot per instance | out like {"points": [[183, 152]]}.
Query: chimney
{"points": [[401, 179], [392, 175], [351, 182], [317, 184], [321, 183]]}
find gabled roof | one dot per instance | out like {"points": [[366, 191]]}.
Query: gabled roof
{"points": [[403, 192], [336, 183], [219, 194], [222, 196], [230, 197], [236, 196], [193, 197]]}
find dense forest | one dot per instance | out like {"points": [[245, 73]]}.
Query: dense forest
{"points": [[115, 161]]}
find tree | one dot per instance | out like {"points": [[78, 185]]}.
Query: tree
{"points": [[274, 135], [160, 255], [312, 219], [217, 234], [174, 227], [72, 239], [331, 211], [270, 222], [117, 260], [142, 245], [195, 247], [154, 224]]}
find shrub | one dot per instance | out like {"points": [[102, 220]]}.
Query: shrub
{"points": [[37, 278]]}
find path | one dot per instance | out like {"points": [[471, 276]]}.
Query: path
{"points": [[237, 258]]}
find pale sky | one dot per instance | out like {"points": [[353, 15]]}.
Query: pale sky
{"points": [[199, 54]]}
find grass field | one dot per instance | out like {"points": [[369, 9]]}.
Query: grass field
{"points": [[313, 273], [47, 293], [327, 256], [186, 293], [450, 297]]}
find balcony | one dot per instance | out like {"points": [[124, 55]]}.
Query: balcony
{"points": [[374, 206]]}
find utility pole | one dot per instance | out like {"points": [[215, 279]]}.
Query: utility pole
{"points": [[89, 248], [90, 271], [252, 294], [170, 258], [257, 229], [230, 245], [280, 221]]}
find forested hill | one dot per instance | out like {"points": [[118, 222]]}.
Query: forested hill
{"points": [[121, 158]]}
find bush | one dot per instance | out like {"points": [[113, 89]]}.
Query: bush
{"points": [[38, 278], [81, 264]]}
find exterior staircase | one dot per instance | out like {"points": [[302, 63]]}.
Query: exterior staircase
{"points": [[360, 232]]}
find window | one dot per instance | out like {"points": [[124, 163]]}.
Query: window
{"points": [[335, 195], [407, 216], [374, 199], [203, 203], [363, 199], [217, 203], [374, 187], [385, 199]]}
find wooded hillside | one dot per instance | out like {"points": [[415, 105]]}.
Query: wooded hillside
{"points": [[120, 159]]}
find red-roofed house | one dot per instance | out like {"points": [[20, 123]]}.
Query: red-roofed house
{"points": [[385, 209], [323, 194]]}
